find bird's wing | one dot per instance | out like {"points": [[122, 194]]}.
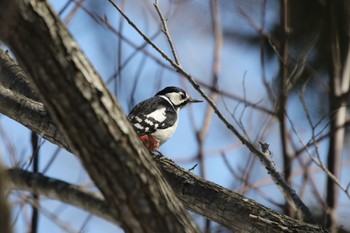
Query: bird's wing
{"points": [[158, 112]]}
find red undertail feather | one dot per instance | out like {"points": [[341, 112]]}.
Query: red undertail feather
{"points": [[150, 142]]}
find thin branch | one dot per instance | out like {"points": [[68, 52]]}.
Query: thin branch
{"points": [[318, 162], [36, 205], [275, 175], [64, 225], [91, 71], [283, 95], [268, 87], [166, 32], [180, 180], [218, 41]]}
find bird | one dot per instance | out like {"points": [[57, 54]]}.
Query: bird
{"points": [[155, 119]]}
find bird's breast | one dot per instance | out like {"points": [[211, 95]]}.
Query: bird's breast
{"points": [[164, 134]]}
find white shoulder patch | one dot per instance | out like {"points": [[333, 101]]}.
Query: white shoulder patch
{"points": [[158, 115]]}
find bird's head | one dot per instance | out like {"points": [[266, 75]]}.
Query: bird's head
{"points": [[178, 97]]}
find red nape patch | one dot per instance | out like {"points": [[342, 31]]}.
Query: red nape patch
{"points": [[150, 142]]}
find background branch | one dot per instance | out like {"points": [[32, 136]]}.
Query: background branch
{"points": [[339, 86], [192, 190], [276, 176]]}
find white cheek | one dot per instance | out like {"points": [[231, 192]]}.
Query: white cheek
{"points": [[175, 98]]}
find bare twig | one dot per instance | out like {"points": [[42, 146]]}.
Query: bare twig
{"points": [[283, 94], [119, 53], [36, 205], [73, 12], [193, 167], [166, 32], [268, 87], [286, 189], [318, 162]]}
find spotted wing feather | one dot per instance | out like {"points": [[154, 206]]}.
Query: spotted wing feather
{"points": [[152, 114]]}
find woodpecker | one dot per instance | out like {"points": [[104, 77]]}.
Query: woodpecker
{"points": [[155, 119]]}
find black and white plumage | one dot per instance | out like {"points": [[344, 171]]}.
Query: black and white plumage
{"points": [[155, 119]]}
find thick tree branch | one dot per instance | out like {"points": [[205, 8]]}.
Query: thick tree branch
{"points": [[19, 100], [31, 114], [61, 191], [232, 210], [92, 121], [198, 195], [14, 78]]}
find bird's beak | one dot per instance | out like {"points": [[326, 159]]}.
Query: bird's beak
{"points": [[195, 100]]}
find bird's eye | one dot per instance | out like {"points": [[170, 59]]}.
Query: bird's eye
{"points": [[183, 96]]}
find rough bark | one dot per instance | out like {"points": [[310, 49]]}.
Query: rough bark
{"points": [[14, 78], [91, 120], [31, 114], [232, 210]]}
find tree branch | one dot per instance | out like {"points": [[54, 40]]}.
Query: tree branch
{"points": [[91, 120], [276, 176], [230, 209], [192, 191], [14, 78], [31, 114], [339, 86], [62, 191], [282, 100]]}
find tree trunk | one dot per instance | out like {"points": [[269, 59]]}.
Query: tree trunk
{"points": [[91, 120]]}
